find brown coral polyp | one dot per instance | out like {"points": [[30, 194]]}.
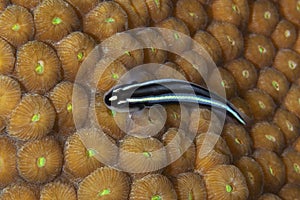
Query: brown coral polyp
{"points": [[142, 155], [159, 9], [192, 13], [274, 83], [222, 82], [106, 19], [226, 182], [237, 139], [288, 62], [72, 51], [291, 101], [53, 20], [17, 25], [267, 136], [259, 50], [137, 11], [152, 187], [233, 11], [290, 10], [8, 162], [261, 104], [156, 51], [7, 57], [175, 41], [291, 160], [180, 151], [33, 118], [229, 37], [19, 192], [83, 7], [190, 186], [253, 175], [288, 123], [193, 66], [37, 67], [59, 190], [10, 95], [211, 151], [105, 183], [79, 161], [284, 35], [62, 99], [273, 169], [210, 44], [263, 17], [244, 74], [40, 161], [108, 74]]}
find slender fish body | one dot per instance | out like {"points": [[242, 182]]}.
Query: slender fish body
{"points": [[136, 96]]}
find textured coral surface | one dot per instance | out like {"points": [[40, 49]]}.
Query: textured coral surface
{"points": [[255, 45]]}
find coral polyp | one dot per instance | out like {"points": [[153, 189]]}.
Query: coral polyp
{"points": [[105, 183], [40, 160], [37, 67], [53, 20], [17, 25], [33, 118]]}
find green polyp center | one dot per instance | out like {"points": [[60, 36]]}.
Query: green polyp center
{"points": [[91, 153], [153, 49], [296, 168], [104, 192], [271, 171], [245, 73], [80, 56], [251, 177], [110, 20], [115, 76], [292, 64], [156, 197], [261, 105], [228, 188], [41, 162], [157, 3], [275, 85], [190, 195], [238, 141], [176, 36], [224, 84], [271, 138], [287, 33], [113, 113], [36, 117], [261, 49], [39, 69], [235, 8], [230, 40], [267, 15], [16, 27], [175, 115], [289, 125], [191, 14], [147, 154], [69, 107], [56, 20], [298, 6], [127, 53]]}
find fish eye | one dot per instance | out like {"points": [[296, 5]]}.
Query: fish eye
{"points": [[107, 98]]}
